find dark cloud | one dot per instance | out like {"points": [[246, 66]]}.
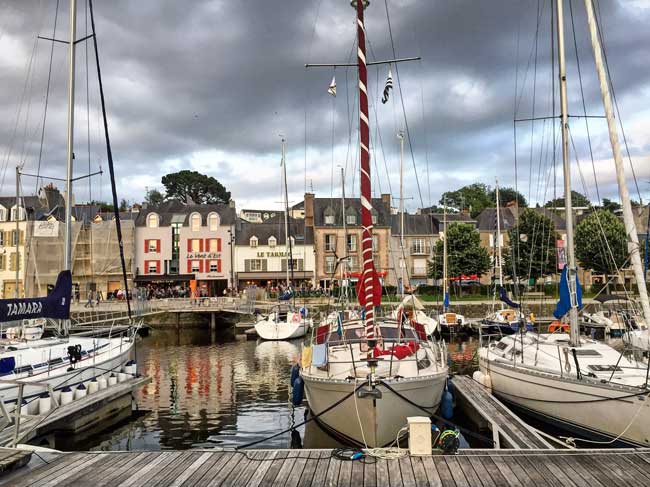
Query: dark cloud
{"points": [[211, 84]]}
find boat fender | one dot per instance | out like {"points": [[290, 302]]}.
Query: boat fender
{"points": [[487, 381], [297, 391], [102, 383], [295, 373], [93, 386], [447, 405], [112, 380], [450, 387], [80, 392], [44, 403], [478, 377], [66, 396]]}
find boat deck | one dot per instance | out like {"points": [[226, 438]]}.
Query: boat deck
{"points": [[507, 428], [288, 468]]}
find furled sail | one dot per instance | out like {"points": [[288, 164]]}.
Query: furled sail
{"points": [[56, 305], [564, 304]]}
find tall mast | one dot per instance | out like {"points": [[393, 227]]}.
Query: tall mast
{"points": [[345, 235], [568, 206], [368, 276], [444, 257], [67, 261], [628, 218], [498, 242], [17, 242], [287, 242], [402, 258]]}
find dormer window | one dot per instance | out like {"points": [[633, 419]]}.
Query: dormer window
{"points": [[272, 241], [213, 222], [152, 220], [329, 216], [195, 222], [3, 214], [374, 216], [350, 216], [253, 241], [21, 213]]}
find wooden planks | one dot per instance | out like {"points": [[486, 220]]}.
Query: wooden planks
{"points": [[288, 468]]}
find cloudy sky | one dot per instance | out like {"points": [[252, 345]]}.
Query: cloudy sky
{"points": [[212, 85]]}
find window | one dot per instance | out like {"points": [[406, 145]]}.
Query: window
{"points": [[352, 243], [330, 263], [3, 214], [195, 266], [330, 242], [375, 243], [195, 222], [329, 216], [214, 245], [374, 216], [294, 264], [418, 246], [2, 262], [213, 222], [353, 263], [152, 220], [13, 262], [256, 265], [152, 246], [21, 213], [194, 245], [272, 241], [215, 265], [2, 239], [152, 267], [351, 219], [14, 238], [253, 241]]}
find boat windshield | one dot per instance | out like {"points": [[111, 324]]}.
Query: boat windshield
{"points": [[357, 334]]}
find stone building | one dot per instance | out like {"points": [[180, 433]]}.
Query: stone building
{"points": [[412, 254]]}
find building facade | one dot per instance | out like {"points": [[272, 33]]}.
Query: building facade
{"points": [[262, 253], [186, 245], [412, 253]]}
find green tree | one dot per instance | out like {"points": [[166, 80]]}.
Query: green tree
{"points": [[124, 205], [464, 253], [535, 254], [154, 197], [188, 185], [507, 195], [474, 197], [610, 205], [577, 199], [599, 232]]}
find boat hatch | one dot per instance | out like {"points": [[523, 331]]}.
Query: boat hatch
{"points": [[604, 368], [502, 345], [585, 352]]}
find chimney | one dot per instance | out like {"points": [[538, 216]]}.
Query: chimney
{"points": [[385, 199], [309, 209], [231, 203], [52, 196]]}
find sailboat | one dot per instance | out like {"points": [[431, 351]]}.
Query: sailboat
{"points": [[284, 322], [449, 322], [364, 377], [578, 384], [510, 320], [61, 361]]}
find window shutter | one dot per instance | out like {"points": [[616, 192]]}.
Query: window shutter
{"points": [[247, 265], [283, 268], [157, 267], [201, 265], [219, 263], [8, 241], [22, 237], [189, 266], [158, 246], [146, 246], [219, 249], [12, 261], [189, 245], [264, 264], [200, 245]]}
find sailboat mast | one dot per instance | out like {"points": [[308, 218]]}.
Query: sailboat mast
{"points": [[402, 259], [17, 241], [368, 276], [344, 289], [67, 260], [287, 242], [568, 206], [444, 258], [498, 242], [628, 218]]}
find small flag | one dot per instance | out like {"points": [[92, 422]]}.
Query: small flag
{"points": [[388, 87], [332, 89]]}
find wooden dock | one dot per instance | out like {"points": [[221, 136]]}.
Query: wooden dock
{"points": [[10, 459], [81, 414], [487, 411], [292, 468]]}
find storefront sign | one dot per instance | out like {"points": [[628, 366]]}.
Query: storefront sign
{"points": [[46, 229], [273, 254], [203, 255]]}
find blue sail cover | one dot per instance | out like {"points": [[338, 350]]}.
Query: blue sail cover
{"points": [[446, 301], [503, 296], [564, 304], [56, 305]]}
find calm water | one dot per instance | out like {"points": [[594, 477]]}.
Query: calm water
{"points": [[206, 393]]}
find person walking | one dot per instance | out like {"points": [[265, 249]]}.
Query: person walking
{"points": [[89, 301]]}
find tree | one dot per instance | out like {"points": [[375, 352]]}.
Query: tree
{"points": [[595, 235], [188, 185], [610, 205], [473, 197], [577, 199], [154, 197], [124, 205], [464, 253], [507, 195], [531, 253]]}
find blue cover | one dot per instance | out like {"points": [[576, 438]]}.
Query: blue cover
{"points": [[287, 295], [446, 301], [503, 296], [319, 355], [56, 305], [564, 304]]}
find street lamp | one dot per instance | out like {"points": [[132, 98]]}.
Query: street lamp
{"points": [[231, 243]]}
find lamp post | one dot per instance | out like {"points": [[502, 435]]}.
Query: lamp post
{"points": [[231, 243]]}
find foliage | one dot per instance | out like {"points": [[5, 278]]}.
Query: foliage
{"points": [[154, 197], [124, 205], [464, 253], [610, 205], [103, 206], [594, 234], [535, 255], [577, 199], [507, 195], [473, 197], [188, 185]]}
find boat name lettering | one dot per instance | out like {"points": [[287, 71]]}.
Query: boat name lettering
{"points": [[27, 308]]}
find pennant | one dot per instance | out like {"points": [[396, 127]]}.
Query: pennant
{"points": [[388, 86], [332, 89]]}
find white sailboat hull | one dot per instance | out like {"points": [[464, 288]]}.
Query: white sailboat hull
{"points": [[281, 330], [574, 404], [378, 421]]}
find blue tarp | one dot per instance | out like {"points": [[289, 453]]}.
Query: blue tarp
{"points": [[503, 296], [564, 304], [446, 301], [56, 305]]}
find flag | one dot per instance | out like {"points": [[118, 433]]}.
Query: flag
{"points": [[339, 324], [388, 86], [332, 89]]}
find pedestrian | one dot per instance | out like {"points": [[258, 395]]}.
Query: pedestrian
{"points": [[89, 302], [98, 296]]}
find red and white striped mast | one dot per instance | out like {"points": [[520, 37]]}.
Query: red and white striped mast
{"points": [[368, 276]]}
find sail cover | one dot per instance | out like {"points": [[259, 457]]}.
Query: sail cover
{"points": [[56, 305], [503, 296], [564, 304]]}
